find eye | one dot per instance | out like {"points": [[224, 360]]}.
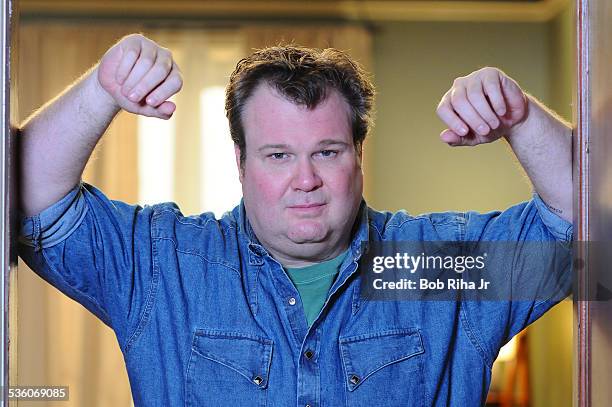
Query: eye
{"points": [[278, 156], [328, 153]]}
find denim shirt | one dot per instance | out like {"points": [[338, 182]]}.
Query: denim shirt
{"points": [[205, 316]]}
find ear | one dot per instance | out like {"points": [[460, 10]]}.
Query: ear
{"points": [[359, 153], [237, 154]]}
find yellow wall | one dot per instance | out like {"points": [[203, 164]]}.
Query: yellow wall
{"points": [[414, 65], [551, 337]]}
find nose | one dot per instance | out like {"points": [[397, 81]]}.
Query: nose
{"points": [[306, 177]]}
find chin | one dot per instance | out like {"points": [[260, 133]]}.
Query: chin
{"points": [[299, 238], [310, 232]]}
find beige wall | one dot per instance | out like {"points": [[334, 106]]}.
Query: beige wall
{"points": [[414, 64], [551, 338]]}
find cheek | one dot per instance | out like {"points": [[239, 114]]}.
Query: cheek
{"points": [[346, 182], [264, 189]]}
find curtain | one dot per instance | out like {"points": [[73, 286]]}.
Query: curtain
{"points": [[59, 342]]}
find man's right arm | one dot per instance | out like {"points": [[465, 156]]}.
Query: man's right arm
{"points": [[135, 75]]}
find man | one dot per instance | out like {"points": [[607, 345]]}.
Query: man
{"points": [[263, 306]]}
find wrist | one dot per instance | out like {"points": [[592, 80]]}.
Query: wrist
{"points": [[105, 100], [532, 115]]}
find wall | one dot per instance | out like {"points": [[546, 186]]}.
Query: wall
{"points": [[414, 65]]}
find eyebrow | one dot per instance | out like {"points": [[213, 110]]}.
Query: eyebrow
{"points": [[273, 146], [322, 143]]}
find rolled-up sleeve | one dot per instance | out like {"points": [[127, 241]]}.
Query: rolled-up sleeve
{"points": [[55, 223], [561, 229], [532, 264], [97, 251]]}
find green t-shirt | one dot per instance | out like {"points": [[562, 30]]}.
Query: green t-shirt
{"points": [[313, 283]]}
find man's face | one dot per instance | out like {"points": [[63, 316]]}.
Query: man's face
{"points": [[301, 180]]}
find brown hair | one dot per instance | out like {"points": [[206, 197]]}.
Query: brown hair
{"points": [[304, 76]]}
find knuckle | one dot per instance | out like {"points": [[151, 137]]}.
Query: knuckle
{"points": [[159, 70], [147, 60], [472, 95], [134, 36], [176, 82], [139, 89], [456, 124], [130, 56], [165, 53], [455, 98]]}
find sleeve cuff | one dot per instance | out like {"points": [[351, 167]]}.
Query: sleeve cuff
{"points": [[56, 223], [559, 227]]}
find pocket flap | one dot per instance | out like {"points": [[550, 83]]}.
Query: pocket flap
{"points": [[247, 354], [363, 355]]}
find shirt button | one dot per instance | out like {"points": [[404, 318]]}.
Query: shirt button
{"points": [[309, 354], [307, 405], [291, 301], [257, 380], [354, 379]]}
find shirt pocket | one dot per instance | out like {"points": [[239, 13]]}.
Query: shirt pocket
{"points": [[228, 368], [384, 368]]}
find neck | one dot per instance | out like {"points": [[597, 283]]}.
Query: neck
{"points": [[287, 260]]}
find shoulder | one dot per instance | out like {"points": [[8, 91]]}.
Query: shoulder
{"points": [[203, 234], [428, 226]]}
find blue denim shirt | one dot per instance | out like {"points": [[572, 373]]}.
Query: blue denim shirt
{"points": [[206, 317]]}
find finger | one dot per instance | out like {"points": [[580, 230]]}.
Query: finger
{"points": [[163, 111], [170, 86], [128, 59], [144, 63], [515, 97], [166, 109], [156, 75], [450, 118], [492, 88], [467, 113], [475, 95], [455, 140]]}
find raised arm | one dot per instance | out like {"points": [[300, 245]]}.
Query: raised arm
{"points": [[488, 104], [135, 75]]}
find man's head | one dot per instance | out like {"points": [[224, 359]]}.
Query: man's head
{"points": [[298, 118]]}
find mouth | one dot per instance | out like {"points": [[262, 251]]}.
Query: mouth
{"points": [[308, 209], [306, 206]]}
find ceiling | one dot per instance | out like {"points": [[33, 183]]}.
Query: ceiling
{"points": [[344, 10]]}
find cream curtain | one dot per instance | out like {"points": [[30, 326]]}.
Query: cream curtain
{"points": [[59, 342]]}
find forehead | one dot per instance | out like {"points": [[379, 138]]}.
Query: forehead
{"points": [[269, 117]]}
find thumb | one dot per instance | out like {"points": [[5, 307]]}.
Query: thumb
{"points": [[453, 139]]}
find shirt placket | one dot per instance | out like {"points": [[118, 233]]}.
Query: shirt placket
{"points": [[306, 341], [309, 371]]}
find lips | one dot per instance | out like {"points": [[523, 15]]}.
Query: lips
{"points": [[306, 206], [307, 210]]}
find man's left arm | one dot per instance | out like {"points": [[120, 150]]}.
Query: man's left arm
{"points": [[486, 105]]}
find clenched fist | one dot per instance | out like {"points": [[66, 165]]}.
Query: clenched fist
{"points": [[140, 76], [481, 107]]}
